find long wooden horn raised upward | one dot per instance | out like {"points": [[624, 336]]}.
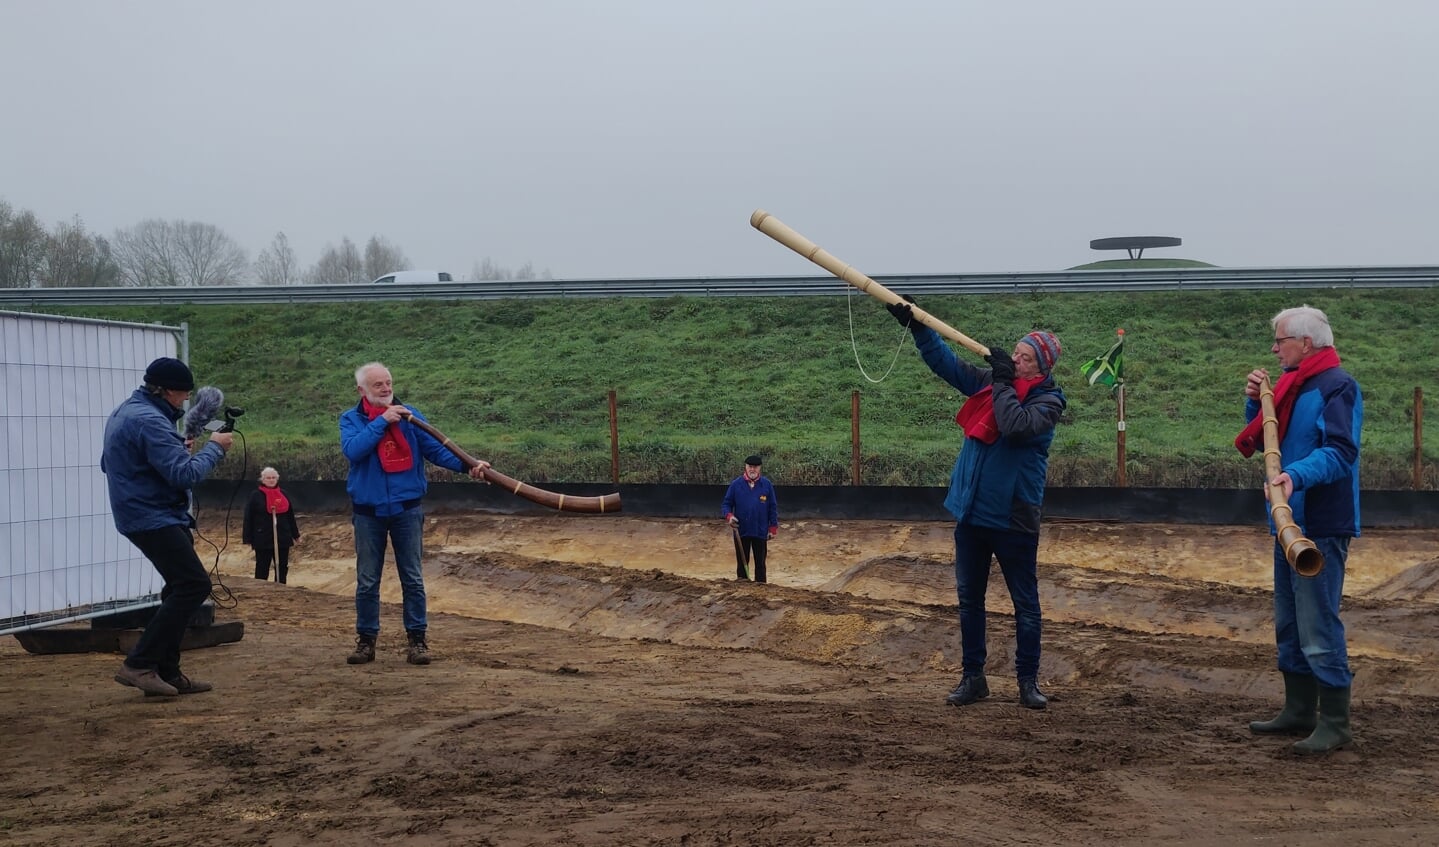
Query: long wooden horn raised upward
{"points": [[774, 228]]}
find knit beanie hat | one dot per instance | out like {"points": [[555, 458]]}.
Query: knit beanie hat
{"points": [[173, 374], [1046, 349]]}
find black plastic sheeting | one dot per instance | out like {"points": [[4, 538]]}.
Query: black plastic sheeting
{"points": [[1380, 509]]}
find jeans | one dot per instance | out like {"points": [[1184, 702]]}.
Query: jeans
{"points": [[405, 530], [171, 550], [1307, 628], [1017, 553]]}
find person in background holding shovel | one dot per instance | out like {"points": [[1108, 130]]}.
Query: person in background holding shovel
{"points": [[752, 512], [270, 527]]}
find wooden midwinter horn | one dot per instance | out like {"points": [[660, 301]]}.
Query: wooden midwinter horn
{"points": [[771, 226], [1299, 551], [561, 502]]}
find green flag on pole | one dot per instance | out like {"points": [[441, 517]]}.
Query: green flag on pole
{"points": [[1107, 369]]}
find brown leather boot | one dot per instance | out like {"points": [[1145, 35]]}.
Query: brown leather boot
{"points": [[419, 651], [364, 650], [147, 681], [185, 685]]}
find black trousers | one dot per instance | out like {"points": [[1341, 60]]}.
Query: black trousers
{"points": [[757, 547], [172, 551], [263, 558]]}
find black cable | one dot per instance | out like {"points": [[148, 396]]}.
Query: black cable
{"points": [[220, 592]]}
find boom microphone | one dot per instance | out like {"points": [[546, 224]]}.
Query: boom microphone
{"points": [[207, 402]]}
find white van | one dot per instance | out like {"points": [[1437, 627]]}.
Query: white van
{"points": [[416, 276]]}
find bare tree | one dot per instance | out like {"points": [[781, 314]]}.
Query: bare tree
{"points": [[276, 264], [179, 253], [208, 256], [488, 270], [145, 253], [338, 265], [22, 248], [382, 257], [76, 259]]}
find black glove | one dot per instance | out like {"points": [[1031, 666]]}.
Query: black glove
{"points": [[903, 313], [1002, 364]]}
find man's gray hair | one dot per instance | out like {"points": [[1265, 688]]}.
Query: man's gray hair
{"points": [[1305, 322], [360, 372]]}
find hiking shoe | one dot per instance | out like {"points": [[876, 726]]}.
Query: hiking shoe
{"points": [[147, 681], [419, 653], [185, 685], [971, 688], [364, 650], [1030, 697]]}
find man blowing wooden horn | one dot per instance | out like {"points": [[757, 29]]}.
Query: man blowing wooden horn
{"points": [[1320, 411], [996, 490], [386, 483]]}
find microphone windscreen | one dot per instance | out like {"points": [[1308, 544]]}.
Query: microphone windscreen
{"points": [[208, 400]]}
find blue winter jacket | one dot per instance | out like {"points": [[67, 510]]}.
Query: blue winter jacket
{"points": [[148, 471], [999, 485], [755, 507], [370, 485], [1320, 452]]}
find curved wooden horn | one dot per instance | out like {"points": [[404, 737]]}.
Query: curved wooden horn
{"points": [[561, 502], [771, 226], [1299, 551]]}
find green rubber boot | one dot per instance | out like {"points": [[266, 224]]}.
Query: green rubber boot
{"points": [[1333, 729], [1301, 701]]}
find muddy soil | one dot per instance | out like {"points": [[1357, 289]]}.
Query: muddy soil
{"points": [[606, 680]]}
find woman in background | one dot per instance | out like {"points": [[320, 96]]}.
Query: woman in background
{"points": [[268, 515]]}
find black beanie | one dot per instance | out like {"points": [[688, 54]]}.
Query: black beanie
{"points": [[173, 374], [754, 460]]}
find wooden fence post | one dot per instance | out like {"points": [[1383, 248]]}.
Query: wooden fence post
{"points": [[614, 441], [1122, 476], [1418, 438], [854, 437]]}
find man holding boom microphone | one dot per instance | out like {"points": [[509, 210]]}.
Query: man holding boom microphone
{"points": [[996, 490], [149, 471], [1319, 410]]}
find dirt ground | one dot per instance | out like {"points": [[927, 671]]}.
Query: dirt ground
{"points": [[605, 680]]}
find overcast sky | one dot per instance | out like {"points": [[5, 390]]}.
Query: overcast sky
{"points": [[635, 137]]}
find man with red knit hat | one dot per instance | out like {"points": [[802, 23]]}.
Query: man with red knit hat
{"points": [[996, 491]]}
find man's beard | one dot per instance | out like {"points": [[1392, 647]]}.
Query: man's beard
{"points": [[380, 400]]}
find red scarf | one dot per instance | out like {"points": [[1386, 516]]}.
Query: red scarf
{"points": [[1252, 438], [276, 503], [394, 448], [976, 416]]}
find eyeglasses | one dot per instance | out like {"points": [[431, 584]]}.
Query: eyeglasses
{"points": [[1283, 338]]}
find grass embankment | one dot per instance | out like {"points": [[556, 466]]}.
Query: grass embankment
{"points": [[701, 383]]}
